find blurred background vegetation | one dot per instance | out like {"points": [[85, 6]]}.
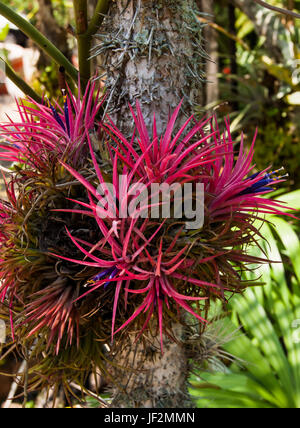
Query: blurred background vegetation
{"points": [[261, 331], [254, 77], [257, 62]]}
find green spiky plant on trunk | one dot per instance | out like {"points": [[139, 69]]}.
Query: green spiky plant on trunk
{"points": [[85, 288]]}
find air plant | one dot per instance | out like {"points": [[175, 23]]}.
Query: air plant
{"points": [[159, 260], [76, 272], [47, 130]]}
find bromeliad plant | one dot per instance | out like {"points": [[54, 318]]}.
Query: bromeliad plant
{"points": [[78, 276], [38, 292], [45, 131]]}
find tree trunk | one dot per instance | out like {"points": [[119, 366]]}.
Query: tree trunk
{"points": [[151, 51], [211, 48], [152, 379]]}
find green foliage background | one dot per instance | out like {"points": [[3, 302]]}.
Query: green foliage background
{"points": [[260, 83], [265, 90], [265, 372]]}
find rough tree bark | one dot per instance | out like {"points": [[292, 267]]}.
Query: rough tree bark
{"points": [[151, 50], [152, 379]]}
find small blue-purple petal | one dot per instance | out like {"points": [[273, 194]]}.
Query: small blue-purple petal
{"points": [[112, 275], [66, 110], [262, 184], [57, 117], [103, 274]]}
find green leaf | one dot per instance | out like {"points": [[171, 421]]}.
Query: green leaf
{"points": [[257, 323], [285, 318], [236, 382], [214, 398], [291, 199], [291, 242], [4, 32], [258, 366]]}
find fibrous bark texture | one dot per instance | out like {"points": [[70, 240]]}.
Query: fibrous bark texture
{"points": [[147, 378], [151, 50], [153, 379]]}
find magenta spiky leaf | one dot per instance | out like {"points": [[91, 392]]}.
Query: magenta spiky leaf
{"points": [[46, 129], [159, 264]]}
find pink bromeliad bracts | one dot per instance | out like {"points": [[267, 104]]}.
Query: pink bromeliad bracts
{"points": [[150, 270], [44, 129], [156, 259]]}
